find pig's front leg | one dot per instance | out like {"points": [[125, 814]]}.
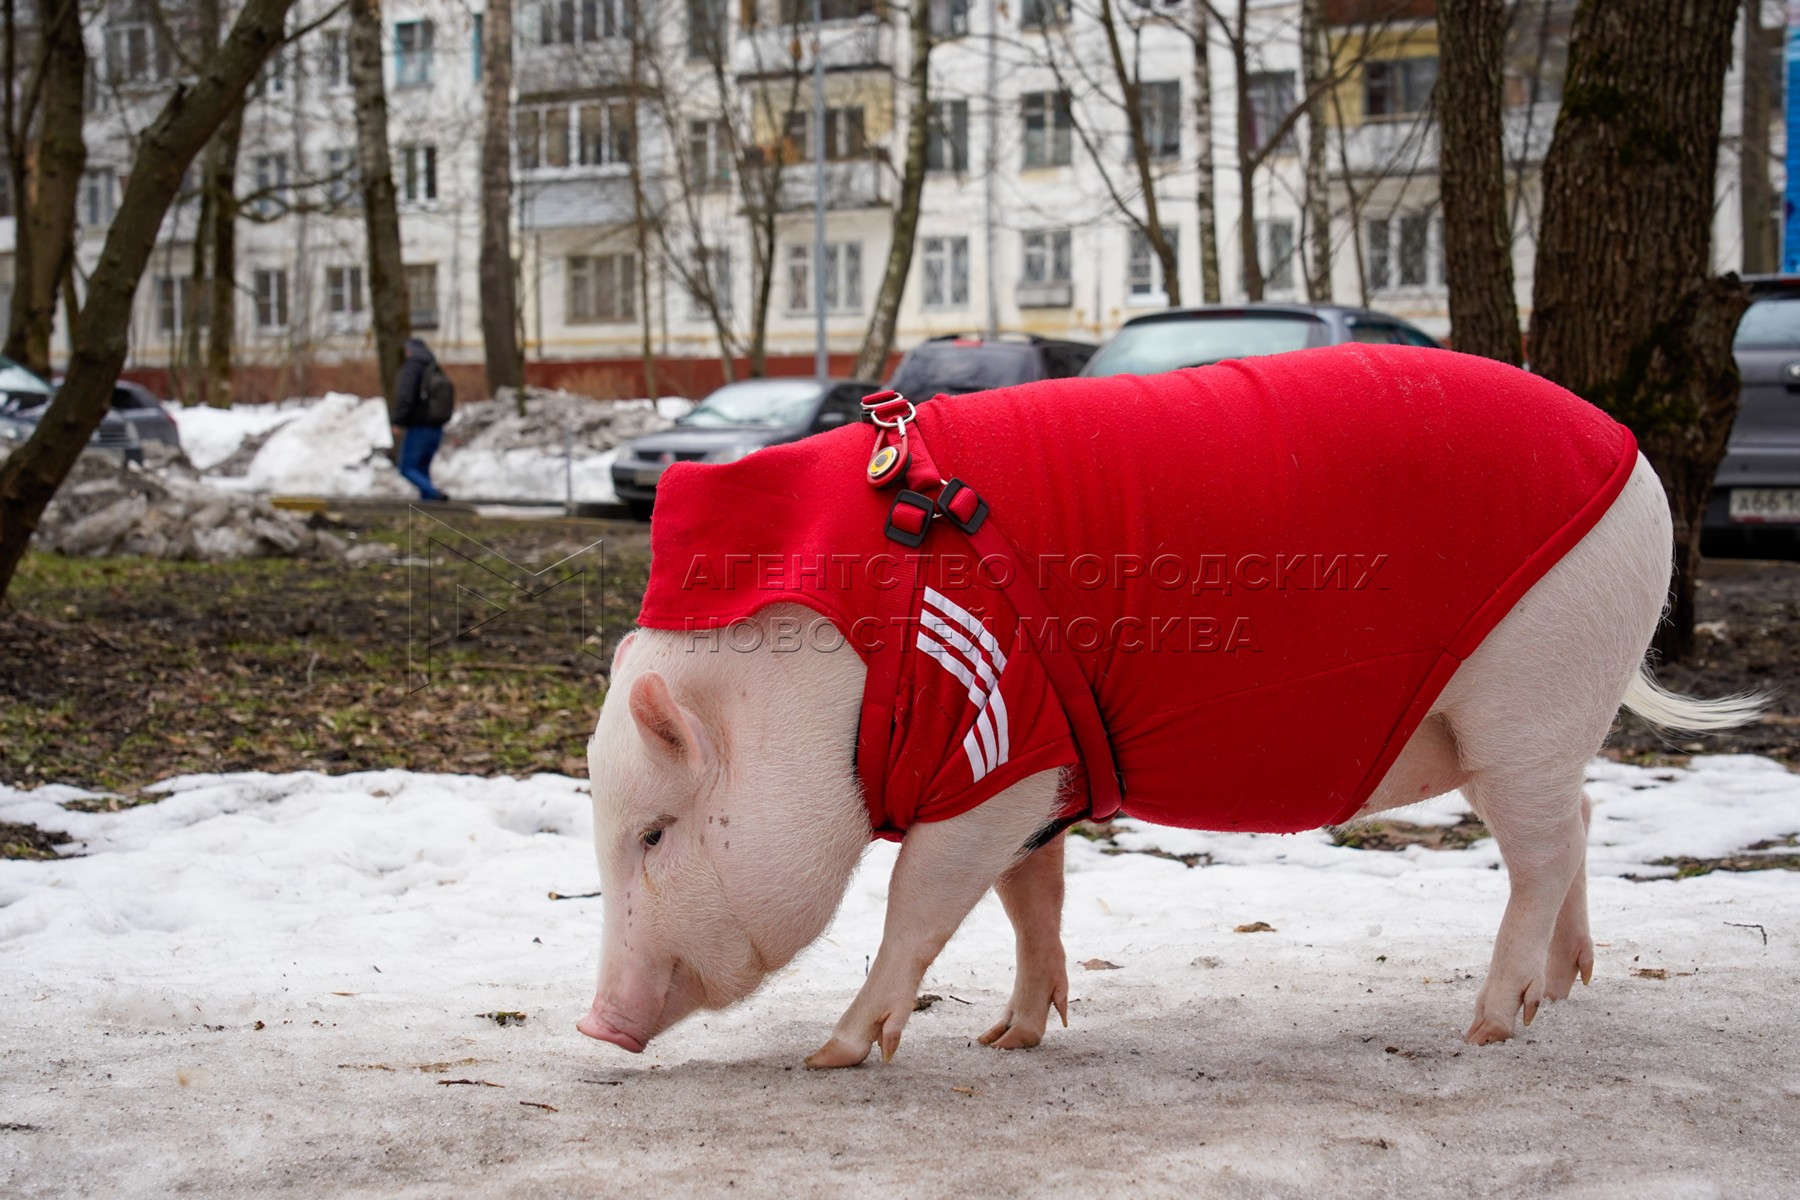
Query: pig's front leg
{"points": [[944, 868], [1033, 895]]}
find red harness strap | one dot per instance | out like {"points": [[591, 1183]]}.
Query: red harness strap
{"points": [[901, 454]]}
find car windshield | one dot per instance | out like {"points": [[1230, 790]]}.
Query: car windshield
{"points": [[20, 389], [1152, 346], [951, 370], [1772, 323], [771, 402]]}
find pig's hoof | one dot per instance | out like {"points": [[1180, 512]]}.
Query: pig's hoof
{"points": [[836, 1053], [1564, 970], [1487, 1030], [1007, 1036]]}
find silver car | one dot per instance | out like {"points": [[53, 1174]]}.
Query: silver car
{"points": [[136, 416]]}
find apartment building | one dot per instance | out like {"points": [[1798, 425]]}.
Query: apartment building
{"points": [[664, 148]]}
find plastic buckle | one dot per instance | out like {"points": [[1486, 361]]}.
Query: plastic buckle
{"points": [[948, 498], [899, 532]]}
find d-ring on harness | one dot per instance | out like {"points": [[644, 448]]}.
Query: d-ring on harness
{"points": [[900, 454]]}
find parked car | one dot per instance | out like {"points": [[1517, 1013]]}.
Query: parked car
{"points": [[959, 362], [1193, 337], [1755, 503], [136, 415], [736, 420]]}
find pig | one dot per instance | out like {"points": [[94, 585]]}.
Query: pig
{"points": [[729, 814]]}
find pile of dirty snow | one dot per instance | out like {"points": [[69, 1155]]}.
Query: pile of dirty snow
{"points": [[108, 507], [336, 446]]}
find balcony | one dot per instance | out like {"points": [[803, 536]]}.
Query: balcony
{"points": [[863, 182], [767, 53], [574, 199], [582, 67], [1410, 146]]}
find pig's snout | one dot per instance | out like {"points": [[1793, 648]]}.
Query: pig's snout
{"points": [[596, 1026]]}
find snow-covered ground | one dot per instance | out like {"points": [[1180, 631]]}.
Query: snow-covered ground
{"points": [[337, 446], [267, 983]]}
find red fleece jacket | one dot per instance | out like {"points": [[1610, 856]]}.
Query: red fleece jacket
{"points": [[1267, 570]]}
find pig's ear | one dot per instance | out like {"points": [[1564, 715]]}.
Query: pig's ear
{"points": [[619, 654], [671, 731]]}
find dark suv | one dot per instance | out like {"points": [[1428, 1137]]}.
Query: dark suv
{"points": [[964, 362]]}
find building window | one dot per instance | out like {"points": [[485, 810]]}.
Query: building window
{"points": [[137, 47], [602, 135], [1047, 258], [418, 174], [572, 22], [800, 12], [477, 34], [1043, 14], [946, 272], [1405, 252], [711, 281], [1399, 87], [706, 29], [1048, 126], [1271, 100], [272, 80], [844, 136], [1143, 271], [344, 291], [336, 56], [270, 198], [172, 303], [602, 287], [947, 146], [1276, 242], [412, 53], [422, 295], [342, 179], [6, 195], [270, 288], [843, 277], [949, 18], [709, 155], [99, 197], [1159, 106]]}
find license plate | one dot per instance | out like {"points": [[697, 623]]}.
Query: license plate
{"points": [[1771, 506], [647, 476]]}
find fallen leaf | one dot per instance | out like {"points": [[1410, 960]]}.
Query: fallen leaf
{"points": [[535, 1104], [344, 993], [504, 1017], [468, 1083], [1650, 972], [1100, 964], [967, 1091], [925, 1001], [1256, 927]]}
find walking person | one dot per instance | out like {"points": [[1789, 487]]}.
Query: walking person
{"points": [[424, 399]]}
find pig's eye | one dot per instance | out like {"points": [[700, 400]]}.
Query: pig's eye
{"points": [[652, 836]]}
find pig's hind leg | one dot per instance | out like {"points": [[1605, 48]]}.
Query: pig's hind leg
{"points": [[944, 868], [1032, 893]]}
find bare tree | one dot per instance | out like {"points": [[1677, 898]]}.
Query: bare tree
{"points": [[1756, 191], [30, 477], [499, 282], [388, 302], [1625, 310], [44, 136], [871, 360], [1484, 316], [1315, 60], [1206, 178]]}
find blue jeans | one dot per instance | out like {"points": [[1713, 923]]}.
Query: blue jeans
{"points": [[416, 452]]}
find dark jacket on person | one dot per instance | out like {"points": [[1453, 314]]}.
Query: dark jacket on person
{"points": [[411, 405]]}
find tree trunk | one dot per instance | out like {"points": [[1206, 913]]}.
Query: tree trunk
{"points": [[32, 474], [499, 291], [871, 360], [1484, 315], [1625, 311], [640, 215], [45, 227], [1756, 191], [388, 310], [1246, 155], [1206, 183], [220, 167], [1140, 156], [1314, 69]]}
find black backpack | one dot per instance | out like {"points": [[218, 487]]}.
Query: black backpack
{"points": [[439, 394]]}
